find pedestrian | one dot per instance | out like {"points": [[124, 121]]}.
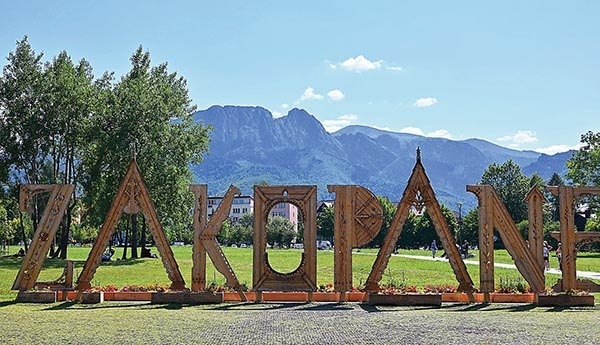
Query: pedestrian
{"points": [[433, 248], [465, 249], [546, 254]]}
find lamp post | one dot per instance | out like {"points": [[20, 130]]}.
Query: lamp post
{"points": [[459, 220]]}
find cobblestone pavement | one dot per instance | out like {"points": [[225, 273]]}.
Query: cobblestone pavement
{"points": [[295, 323], [324, 323]]}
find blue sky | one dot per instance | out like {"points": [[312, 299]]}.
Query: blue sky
{"points": [[522, 74]]}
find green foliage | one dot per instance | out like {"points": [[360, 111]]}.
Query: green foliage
{"points": [[7, 232], [511, 185], [84, 234], [23, 135], [280, 230], [325, 222], [469, 230], [553, 206], [388, 214], [584, 167], [60, 125], [512, 285], [148, 114]]}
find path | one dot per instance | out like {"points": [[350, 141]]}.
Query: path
{"points": [[580, 274]]}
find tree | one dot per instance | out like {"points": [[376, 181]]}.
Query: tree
{"points": [[69, 103], [24, 124], [469, 230], [148, 114], [6, 231], [583, 168], [280, 230], [23, 135], [555, 180], [389, 210], [325, 222], [511, 185]]}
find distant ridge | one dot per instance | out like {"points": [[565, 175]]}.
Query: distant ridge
{"points": [[248, 146]]}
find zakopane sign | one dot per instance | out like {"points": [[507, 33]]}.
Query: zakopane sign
{"points": [[357, 220]]}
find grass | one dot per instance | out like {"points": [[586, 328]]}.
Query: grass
{"points": [[68, 323], [147, 271]]}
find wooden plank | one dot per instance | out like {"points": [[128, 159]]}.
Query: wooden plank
{"points": [[535, 216], [199, 223], [566, 197], [60, 196]]}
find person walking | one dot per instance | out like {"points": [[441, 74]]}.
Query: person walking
{"points": [[546, 254], [433, 248]]}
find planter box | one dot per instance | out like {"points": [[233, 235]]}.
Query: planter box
{"points": [[406, 300], [494, 298], [92, 297], [565, 300], [285, 296], [326, 297], [513, 298], [187, 297], [127, 296], [37, 296], [235, 297], [461, 298], [356, 296]]}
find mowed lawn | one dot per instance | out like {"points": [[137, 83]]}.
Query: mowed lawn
{"points": [[147, 271], [285, 323]]}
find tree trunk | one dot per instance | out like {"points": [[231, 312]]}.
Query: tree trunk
{"points": [[134, 233], [64, 240], [125, 243]]}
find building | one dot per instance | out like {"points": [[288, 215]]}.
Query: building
{"points": [[240, 205], [245, 203], [287, 211]]}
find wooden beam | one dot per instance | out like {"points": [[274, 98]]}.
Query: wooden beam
{"points": [[60, 196]]}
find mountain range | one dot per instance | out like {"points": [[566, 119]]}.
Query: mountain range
{"points": [[249, 146]]}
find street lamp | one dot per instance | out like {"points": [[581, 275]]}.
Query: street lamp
{"points": [[459, 220]]}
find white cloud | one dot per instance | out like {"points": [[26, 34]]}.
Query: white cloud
{"points": [[276, 114], [339, 123], [554, 149], [519, 138], [425, 102], [335, 95], [412, 130], [438, 133], [309, 94], [394, 68], [358, 64], [285, 106]]}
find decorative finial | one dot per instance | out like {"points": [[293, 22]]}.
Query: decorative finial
{"points": [[418, 154]]}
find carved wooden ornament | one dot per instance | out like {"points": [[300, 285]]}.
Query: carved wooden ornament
{"points": [[304, 278]]}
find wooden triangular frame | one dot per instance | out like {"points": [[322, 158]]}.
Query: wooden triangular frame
{"points": [[131, 198], [419, 193]]}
